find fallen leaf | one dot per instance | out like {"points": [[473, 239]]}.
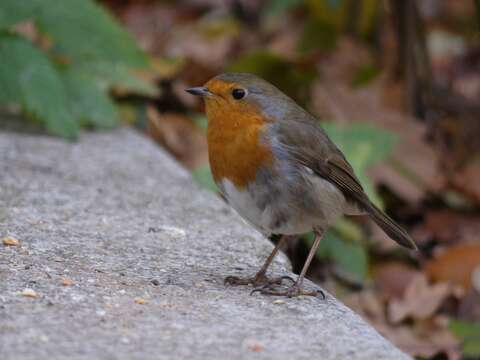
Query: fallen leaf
{"points": [[10, 241], [28, 292], [421, 300], [467, 182], [450, 226], [456, 265], [469, 306], [392, 278], [368, 304], [412, 170], [424, 342], [180, 136], [201, 42]]}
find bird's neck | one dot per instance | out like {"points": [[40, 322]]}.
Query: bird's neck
{"points": [[236, 147]]}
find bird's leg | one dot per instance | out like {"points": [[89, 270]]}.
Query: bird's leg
{"points": [[260, 278], [296, 289]]}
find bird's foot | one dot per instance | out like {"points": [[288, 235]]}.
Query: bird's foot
{"points": [[259, 280], [293, 291]]}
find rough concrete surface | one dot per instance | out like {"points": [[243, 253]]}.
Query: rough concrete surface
{"points": [[111, 221]]}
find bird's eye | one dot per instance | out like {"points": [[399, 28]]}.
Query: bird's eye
{"points": [[238, 94]]}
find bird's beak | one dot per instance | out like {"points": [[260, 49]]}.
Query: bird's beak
{"points": [[198, 91]]}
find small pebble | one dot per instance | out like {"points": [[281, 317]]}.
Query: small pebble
{"points": [[139, 300], [10, 241], [155, 282], [279, 302], [66, 281], [256, 348], [28, 292]]}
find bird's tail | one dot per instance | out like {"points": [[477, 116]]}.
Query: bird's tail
{"points": [[390, 227]]}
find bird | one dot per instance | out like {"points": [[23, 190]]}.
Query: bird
{"points": [[276, 166]]}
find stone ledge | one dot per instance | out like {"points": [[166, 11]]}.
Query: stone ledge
{"points": [[123, 221]]}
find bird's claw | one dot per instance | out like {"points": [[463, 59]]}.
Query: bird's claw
{"points": [[293, 291], [259, 280]]}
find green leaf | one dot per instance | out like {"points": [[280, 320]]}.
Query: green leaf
{"points": [[108, 75], [88, 104], [469, 334], [14, 11], [277, 7], [80, 29], [363, 146], [27, 77], [364, 75], [84, 31], [203, 176], [350, 256]]}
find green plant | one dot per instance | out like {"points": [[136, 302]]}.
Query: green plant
{"points": [[469, 334], [61, 74]]}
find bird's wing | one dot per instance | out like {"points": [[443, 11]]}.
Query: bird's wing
{"points": [[308, 144], [337, 170]]}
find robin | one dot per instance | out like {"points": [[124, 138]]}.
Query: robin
{"points": [[279, 170]]}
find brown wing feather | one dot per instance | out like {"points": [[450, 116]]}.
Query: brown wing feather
{"points": [[307, 142], [341, 174]]}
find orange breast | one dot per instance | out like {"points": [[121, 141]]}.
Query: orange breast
{"points": [[235, 148]]}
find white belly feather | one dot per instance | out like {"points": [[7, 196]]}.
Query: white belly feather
{"points": [[330, 200]]}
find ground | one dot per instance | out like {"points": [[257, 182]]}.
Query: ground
{"points": [[122, 256]]}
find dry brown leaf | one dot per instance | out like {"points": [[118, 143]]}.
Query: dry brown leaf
{"points": [[10, 241], [411, 155], [468, 181], [191, 41], [366, 303], [392, 278], [421, 300], [469, 307], [425, 338], [422, 342], [180, 136], [449, 226], [285, 40], [456, 265]]}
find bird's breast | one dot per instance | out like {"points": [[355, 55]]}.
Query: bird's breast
{"points": [[238, 148]]}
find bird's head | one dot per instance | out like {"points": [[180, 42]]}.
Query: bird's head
{"points": [[231, 94]]}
